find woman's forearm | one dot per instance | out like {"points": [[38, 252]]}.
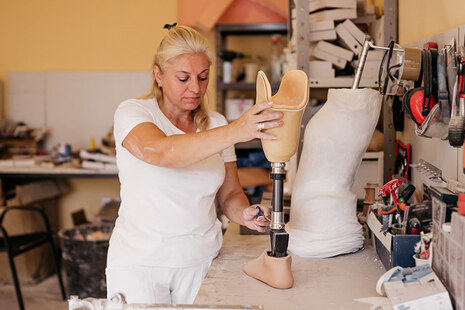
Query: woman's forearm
{"points": [[179, 150]]}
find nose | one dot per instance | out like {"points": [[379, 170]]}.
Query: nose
{"points": [[194, 86]]}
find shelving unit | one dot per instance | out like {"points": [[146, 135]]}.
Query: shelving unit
{"points": [[222, 32], [303, 50]]}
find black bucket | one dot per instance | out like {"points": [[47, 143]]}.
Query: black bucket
{"points": [[84, 253]]}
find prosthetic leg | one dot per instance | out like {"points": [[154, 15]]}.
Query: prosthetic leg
{"points": [[274, 267]]}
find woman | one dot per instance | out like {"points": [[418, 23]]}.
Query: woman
{"points": [[174, 158]]}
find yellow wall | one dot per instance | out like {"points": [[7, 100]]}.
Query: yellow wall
{"points": [[423, 18], [83, 35]]}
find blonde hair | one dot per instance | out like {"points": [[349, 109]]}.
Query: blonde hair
{"points": [[180, 40]]}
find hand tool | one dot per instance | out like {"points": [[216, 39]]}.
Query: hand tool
{"points": [[443, 92], [388, 210], [406, 193], [390, 188], [457, 119], [260, 213]]}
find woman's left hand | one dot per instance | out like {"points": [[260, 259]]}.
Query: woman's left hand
{"points": [[249, 216]]}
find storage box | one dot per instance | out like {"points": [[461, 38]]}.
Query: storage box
{"points": [[426, 293], [393, 250]]}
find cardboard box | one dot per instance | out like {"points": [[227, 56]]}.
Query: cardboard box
{"points": [[320, 26], [336, 61], [393, 250], [426, 293], [358, 34], [335, 50], [322, 35], [335, 14], [37, 264], [316, 5], [321, 69], [348, 40]]}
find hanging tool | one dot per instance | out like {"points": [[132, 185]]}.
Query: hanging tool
{"points": [[457, 119], [443, 92]]}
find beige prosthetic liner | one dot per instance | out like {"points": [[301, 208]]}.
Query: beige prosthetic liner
{"points": [[291, 100], [323, 221]]}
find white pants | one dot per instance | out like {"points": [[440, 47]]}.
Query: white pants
{"points": [[156, 285]]}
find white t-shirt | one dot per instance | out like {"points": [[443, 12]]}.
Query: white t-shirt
{"points": [[167, 216]]}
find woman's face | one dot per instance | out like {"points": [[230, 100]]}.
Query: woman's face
{"points": [[184, 81]]}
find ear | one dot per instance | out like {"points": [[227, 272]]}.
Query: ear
{"points": [[158, 75]]}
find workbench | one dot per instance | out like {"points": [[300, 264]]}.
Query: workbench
{"points": [[55, 172], [330, 283]]}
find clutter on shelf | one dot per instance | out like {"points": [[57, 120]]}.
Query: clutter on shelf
{"points": [[17, 138], [337, 32]]}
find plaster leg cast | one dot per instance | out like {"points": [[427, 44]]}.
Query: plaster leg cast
{"points": [[274, 267], [323, 221]]}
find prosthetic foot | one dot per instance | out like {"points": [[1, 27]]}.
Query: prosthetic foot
{"points": [[274, 267], [275, 272]]}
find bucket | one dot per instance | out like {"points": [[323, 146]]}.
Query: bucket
{"points": [[84, 254], [419, 261]]}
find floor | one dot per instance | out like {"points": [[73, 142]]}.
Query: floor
{"points": [[42, 296]]}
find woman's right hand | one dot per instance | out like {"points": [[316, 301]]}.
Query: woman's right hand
{"points": [[251, 123]]}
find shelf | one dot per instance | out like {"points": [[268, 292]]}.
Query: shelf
{"points": [[252, 144], [340, 82], [241, 86], [252, 29]]}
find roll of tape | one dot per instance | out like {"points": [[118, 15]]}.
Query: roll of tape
{"points": [[412, 64]]}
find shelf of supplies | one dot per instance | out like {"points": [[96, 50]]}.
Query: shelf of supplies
{"points": [[252, 29], [340, 82], [242, 86]]}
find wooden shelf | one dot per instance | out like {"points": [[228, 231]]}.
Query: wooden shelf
{"points": [[250, 145], [242, 86], [340, 82], [252, 29]]}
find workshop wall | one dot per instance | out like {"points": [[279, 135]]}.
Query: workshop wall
{"points": [[420, 19], [86, 35]]}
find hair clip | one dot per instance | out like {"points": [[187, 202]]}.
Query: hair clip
{"points": [[168, 26]]}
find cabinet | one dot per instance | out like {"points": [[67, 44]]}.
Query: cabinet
{"points": [[248, 35]]}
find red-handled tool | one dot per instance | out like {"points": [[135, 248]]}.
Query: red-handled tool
{"points": [[390, 188]]}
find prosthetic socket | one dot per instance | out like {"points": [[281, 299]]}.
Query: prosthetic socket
{"points": [[274, 267]]}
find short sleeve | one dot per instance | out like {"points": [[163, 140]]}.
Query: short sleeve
{"points": [[218, 120], [128, 115]]}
